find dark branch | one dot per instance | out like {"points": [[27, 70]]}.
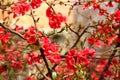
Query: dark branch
{"points": [[12, 31], [46, 63]]}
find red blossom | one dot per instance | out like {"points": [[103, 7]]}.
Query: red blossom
{"points": [[117, 0], [17, 28], [117, 16], [94, 41], [17, 65], [1, 30], [102, 12], [94, 76], [4, 37], [1, 57], [20, 8], [36, 3], [31, 35], [2, 69], [85, 6], [109, 4], [51, 51], [32, 58], [73, 57], [55, 20], [96, 6], [55, 58], [29, 78]]}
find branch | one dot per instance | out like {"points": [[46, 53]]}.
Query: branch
{"points": [[79, 37], [46, 63], [12, 31], [110, 59], [41, 72]]}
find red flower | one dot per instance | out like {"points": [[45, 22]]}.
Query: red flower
{"points": [[31, 35], [17, 28], [1, 30], [17, 65], [102, 12], [55, 58], [51, 51], [55, 20], [117, 16], [32, 39], [29, 59], [49, 12], [96, 6], [73, 57], [70, 61], [109, 4], [20, 8], [94, 41], [2, 69], [36, 3], [1, 57], [33, 57], [117, 0], [29, 78]]}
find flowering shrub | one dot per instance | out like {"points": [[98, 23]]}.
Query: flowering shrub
{"points": [[31, 54]]}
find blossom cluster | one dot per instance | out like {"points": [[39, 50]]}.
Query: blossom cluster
{"points": [[31, 35], [33, 57], [21, 7], [51, 51], [55, 20], [4, 36], [81, 58]]}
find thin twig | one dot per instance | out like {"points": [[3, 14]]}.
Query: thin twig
{"points": [[12, 31], [41, 72]]}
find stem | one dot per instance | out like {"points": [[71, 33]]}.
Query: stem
{"points": [[12, 31], [46, 63], [79, 37]]}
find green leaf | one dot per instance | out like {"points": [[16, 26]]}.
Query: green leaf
{"points": [[1, 77], [11, 73]]}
